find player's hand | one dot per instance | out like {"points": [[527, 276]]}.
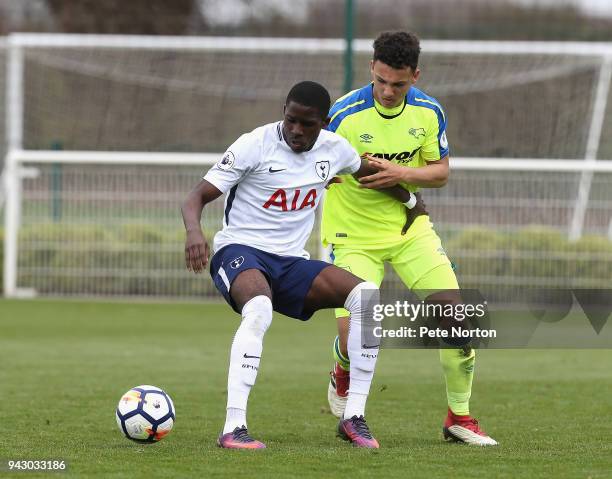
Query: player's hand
{"points": [[335, 179], [411, 214], [196, 251], [389, 174]]}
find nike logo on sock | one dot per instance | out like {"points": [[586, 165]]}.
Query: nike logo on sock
{"points": [[251, 357], [374, 346]]}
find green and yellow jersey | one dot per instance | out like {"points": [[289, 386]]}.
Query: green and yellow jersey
{"points": [[410, 135]]}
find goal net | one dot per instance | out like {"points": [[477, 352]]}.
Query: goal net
{"points": [[107, 134]]}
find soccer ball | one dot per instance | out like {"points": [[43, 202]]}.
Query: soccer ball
{"points": [[145, 414]]}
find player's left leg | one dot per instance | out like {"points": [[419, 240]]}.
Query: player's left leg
{"points": [[423, 266], [366, 264], [332, 288], [458, 366], [241, 276]]}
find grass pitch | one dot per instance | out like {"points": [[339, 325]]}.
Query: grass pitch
{"points": [[65, 365]]}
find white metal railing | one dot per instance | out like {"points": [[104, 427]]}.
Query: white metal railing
{"points": [[197, 159]]}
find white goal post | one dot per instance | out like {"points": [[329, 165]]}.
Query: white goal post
{"points": [[23, 162]]}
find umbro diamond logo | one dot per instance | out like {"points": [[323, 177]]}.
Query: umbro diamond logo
{"points": [[366, 138], [272, 170]]}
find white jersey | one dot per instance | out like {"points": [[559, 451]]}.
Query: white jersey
{"points": [[272, 192]]}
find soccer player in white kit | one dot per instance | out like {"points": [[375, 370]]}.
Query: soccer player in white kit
{"points": [[274, 177]]}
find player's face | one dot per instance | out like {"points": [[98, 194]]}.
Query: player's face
{"points": [[301, 126], [391, 84]]}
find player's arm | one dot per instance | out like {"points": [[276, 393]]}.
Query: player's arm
{"points": [[220, 178], [400, 194], [196, 247], [412, 201], [388, 174]]}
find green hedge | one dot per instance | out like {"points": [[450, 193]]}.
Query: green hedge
{"points": [[117, 250], [2, 259], [533, 253]]}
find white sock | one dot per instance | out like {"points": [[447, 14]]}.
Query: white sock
{"points": [[244, 359], [360, 304], [235, 418]]}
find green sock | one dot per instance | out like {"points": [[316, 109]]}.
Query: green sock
{"points": [[342, 360], [458, 366]]}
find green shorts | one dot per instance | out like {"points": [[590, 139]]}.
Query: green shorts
{"points": [[419, 260]]}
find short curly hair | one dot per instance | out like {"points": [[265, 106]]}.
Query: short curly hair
{"points": [[397, 49], [311, 94]]}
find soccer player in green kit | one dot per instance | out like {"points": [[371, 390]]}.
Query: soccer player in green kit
{"points": [[402, 131]]}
